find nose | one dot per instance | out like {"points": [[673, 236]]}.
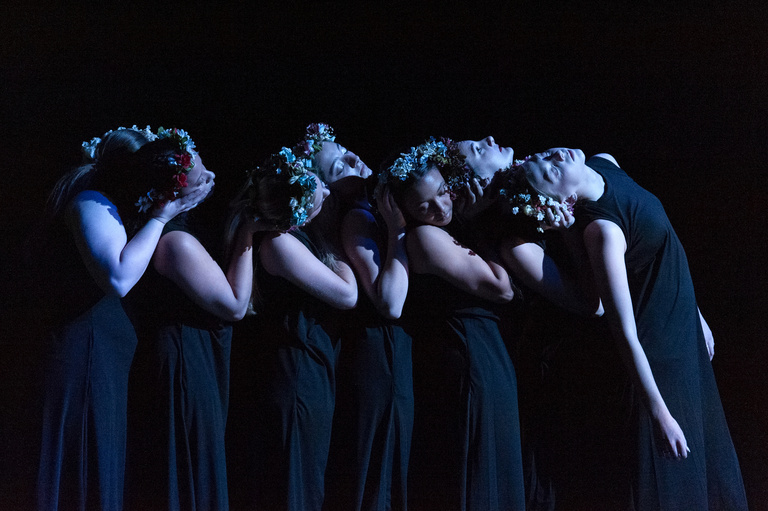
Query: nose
{"points": [[489, 140], [210, 176], [352, 158], [560, 155], [326, 192], [443, 207]]}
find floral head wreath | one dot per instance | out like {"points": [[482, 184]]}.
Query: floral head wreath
{"points": [[316, 134], [181, 161], [526, 201], [89, 147], [455, 169], [441, 153], [301, 186]]}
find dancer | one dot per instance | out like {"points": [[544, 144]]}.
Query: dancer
{"points": [[574, 402], [97, 247], [685, 457], [182, 310], [302, 287], [374, 411], [466, 452]]}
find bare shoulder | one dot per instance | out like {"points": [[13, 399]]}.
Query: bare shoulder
{"points": [[357, 220], [425, 237], [89, 201], [602, 232], [280, 241], [608, 157], [176, 246]]}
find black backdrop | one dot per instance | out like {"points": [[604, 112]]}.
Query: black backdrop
{"points": [[676, 93]]}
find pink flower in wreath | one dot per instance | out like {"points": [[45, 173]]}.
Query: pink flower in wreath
{"points": [[184, 159], [181, 180]]}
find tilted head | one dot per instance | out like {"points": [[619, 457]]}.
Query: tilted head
{"points": [[485, 157], [283, 191], [417, 183], [328, 159]]}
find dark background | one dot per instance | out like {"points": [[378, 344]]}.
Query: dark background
{"points": [[675, 93]]}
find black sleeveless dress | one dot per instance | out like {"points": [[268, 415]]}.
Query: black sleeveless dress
{"points": [[373, 423], [87, 361], [466, 447], [295, 386], [179, 399], [670, 333]]}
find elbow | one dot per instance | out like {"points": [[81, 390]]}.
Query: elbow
{"points": [[236, 313], [506, 296], [349, 301], [117, 287], [390, 311], [237, 316], [346, 299], [502, 292]]}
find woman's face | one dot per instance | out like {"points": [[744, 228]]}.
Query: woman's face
{"points": [[428, 201], [485, 156], [336, 162], [321, 193], [556, 172], [198, 178]]}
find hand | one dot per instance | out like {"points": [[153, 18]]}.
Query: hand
{"points": [[708, 338], [472, 198], [257, 224], [558, 217], [670, 439], [171, 208], [390, 211]]}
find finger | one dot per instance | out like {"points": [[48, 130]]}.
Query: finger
{"points": [[477, 188], [470, 196], [550, 216], [568, 218], [393, 204]]}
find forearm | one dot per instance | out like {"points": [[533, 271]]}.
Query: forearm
{"points": [[636, 362], [240, 272], [135, 257], [500, 288]]}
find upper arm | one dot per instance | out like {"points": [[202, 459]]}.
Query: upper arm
{"points": [[181, 258], [99, 235], [434, 251], [285, 256], [608, 157], [361, 240], [606, 246], [528, 262]]}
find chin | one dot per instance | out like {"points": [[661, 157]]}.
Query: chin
{"points": [[442, 222]]}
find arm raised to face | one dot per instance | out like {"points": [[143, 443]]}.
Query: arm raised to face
{"points": [[432, 250], [285, 256]]}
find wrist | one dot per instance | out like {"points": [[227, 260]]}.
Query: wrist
{"points": [[162, 221], [659, 411]]}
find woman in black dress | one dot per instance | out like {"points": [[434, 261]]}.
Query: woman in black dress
{"points": [[97, 245], [301, 287], [685, 457], [372, 431], [181, 311], [466, 448], [573, 393]]}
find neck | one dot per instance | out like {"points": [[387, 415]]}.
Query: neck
{"points": [[593, 186]]}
